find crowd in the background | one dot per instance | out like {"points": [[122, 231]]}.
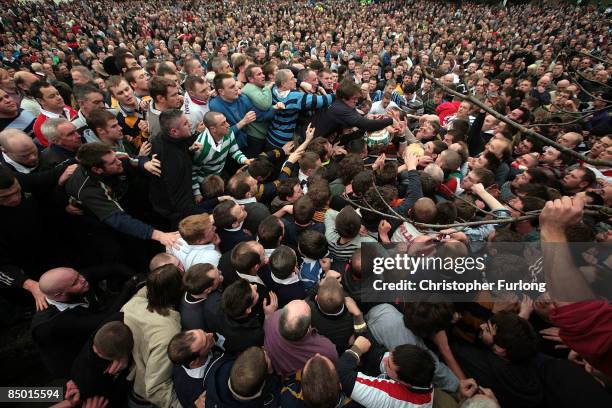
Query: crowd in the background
{"points": [[186, 186]]}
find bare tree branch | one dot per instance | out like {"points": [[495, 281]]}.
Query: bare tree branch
{"points": [[525, 130]]}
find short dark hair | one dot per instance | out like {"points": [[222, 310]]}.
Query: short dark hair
{"points": [[114, 340], [319, 193], [269, 231], [168, 120], [249, 372], [244, 257], [35, 88], [350, 166], [222, 215], [537, 176], [164, 289], [446, 212], [362, 182], [196, 279], [237, 298], [347, 89], [192, 81], [212, 186], [98, 119], [179, 348], [285, 188], [348, 223], [303, 210], [588, 175], [415, 365], [425, 319], [260, 167], [81, 92], [515, 335], [158, 86], [283, 262], [90, 155], [218, 81], [237, 186], [320, 384], [164, 69], [485, 176], [312, 244]]}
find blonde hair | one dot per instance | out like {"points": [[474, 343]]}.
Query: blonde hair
{"points": [[192, 228]]}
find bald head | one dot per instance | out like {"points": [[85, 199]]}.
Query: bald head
{"points": [[19, 147], [24, 80], [330, 296], [63, 284], [294, 320]]}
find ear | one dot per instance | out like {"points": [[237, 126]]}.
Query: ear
{"points": [[97, 170], [499, 351]]}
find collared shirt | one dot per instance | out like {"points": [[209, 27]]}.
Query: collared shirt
{"points": [[198, 372], [66, 113], [293, 278], [245, 200], [303, 181], [19, 167], [238, 228], [61, 306], [251, 278]]}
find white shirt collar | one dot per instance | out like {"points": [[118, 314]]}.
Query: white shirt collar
{"points": [[293, 278], [251, 278], [55, 115], [238, 228], [302, 176], [198, 372], [245, 200], [19, 167], [61, 306]]}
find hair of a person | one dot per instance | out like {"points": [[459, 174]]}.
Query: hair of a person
{"points": [[286, 187], [281, 76], [308, 161], [348, 223], [350, 166], [90, 155], [158, 87], [303, 210], [98, 119], [320, 384], [193, 227], [319, 146], [249, 372], [362, 181], [312, 244], [82, 92], [283, 262], [212, 186], [248, 72], [270, 231], [165, 69], [237, 186], [50, 130], [347, 90], [222, 214], [294, 330], [424, 210], [164, 289], [260, 168], [179, 348], [218, 81], [169, 119], [319, 193], [244, 257], [192, 81], [36, 88], [130, 75], [237, 298], [485, 176], [114, 340], [196, 279], [415, 366], [516, 336], [330, 296], [446, 212], [425, 319]]}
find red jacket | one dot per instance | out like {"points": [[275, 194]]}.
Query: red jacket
{"points": [[69, 114]]}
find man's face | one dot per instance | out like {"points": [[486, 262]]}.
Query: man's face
{"points": [[8, 107], [203, 342], [464, 110], [51, 99], [113, 130], [312, 79], [487, 333], [601, 145], [479, 162], [290, 82], [326, 80], [11, 197], [573, 180], [352, 101], [297, 193], [182, 129], [566, 140], [124, 94], [252, 182], [489, 122], [523, 147], [202, 91], [426, 131], [521, 179], [469, 180], [24, 152], [515, 115], [196, 68], [92, 101], [550, 155], [258, 78], [496, 147], [78, 78], [68, 137], [230, 90], [525, 87], [141, 80], [239, 214], [173, 99], [528, 160], [112, 165]]}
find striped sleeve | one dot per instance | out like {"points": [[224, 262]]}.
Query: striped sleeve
{"points": [[235, 151]]}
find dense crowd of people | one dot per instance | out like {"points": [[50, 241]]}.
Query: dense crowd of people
{"points": [[186, 186]]}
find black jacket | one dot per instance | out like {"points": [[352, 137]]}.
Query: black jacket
{"points": [[171, 193], [339, 115]]}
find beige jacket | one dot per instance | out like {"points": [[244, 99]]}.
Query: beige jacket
{"points": [[152, 370]]}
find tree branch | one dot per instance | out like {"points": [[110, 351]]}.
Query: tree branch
{"points": [[523, 129]]}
